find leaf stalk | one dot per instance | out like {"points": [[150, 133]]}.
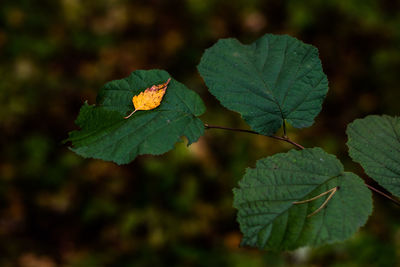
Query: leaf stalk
{"points": [[285, 139], [127, 117], [383, 194]]}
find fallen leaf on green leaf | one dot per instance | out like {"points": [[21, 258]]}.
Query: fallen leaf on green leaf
{"points": [[150, 98]]}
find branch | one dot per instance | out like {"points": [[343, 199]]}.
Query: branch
{"points": [[285, 139], [383, 194]]}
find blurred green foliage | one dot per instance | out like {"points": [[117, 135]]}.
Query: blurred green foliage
{"points": [[57, 209]]}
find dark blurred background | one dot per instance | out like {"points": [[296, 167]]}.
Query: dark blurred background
{"points": [[58, 209]]}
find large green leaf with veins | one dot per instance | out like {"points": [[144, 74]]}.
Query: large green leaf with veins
{"points": [[105, 134], [274, 79], [374, 142], [268, 216]]}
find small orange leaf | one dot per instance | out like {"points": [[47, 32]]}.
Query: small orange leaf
{"points": [[150, 98]]}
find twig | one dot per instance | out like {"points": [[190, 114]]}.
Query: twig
{"points": [[383, 194], [285, 139]]}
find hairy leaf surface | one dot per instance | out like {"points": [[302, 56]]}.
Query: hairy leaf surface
{"points": [[268, 217], [374, 142], [274, 79], [105, 134]]}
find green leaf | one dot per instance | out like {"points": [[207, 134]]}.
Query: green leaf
{"points": [[268, 217], [274, 79], [105, 134], [374, 142]]}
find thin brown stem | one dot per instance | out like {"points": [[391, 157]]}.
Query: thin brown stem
{"points": [[383, 194], [325, 202], [285, 139], [316, 197], [126, 117], [331, 192], [284, 129]]}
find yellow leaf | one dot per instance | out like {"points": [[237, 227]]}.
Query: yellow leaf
{"points": [[150, 98]]}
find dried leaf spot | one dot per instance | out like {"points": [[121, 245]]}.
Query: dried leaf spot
{"points": [[150, 98]]}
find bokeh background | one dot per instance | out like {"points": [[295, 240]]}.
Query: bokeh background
{"points": [[58, 209]]}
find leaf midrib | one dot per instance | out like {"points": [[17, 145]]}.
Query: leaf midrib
{"points": [[116, 124], [261, 76]]}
